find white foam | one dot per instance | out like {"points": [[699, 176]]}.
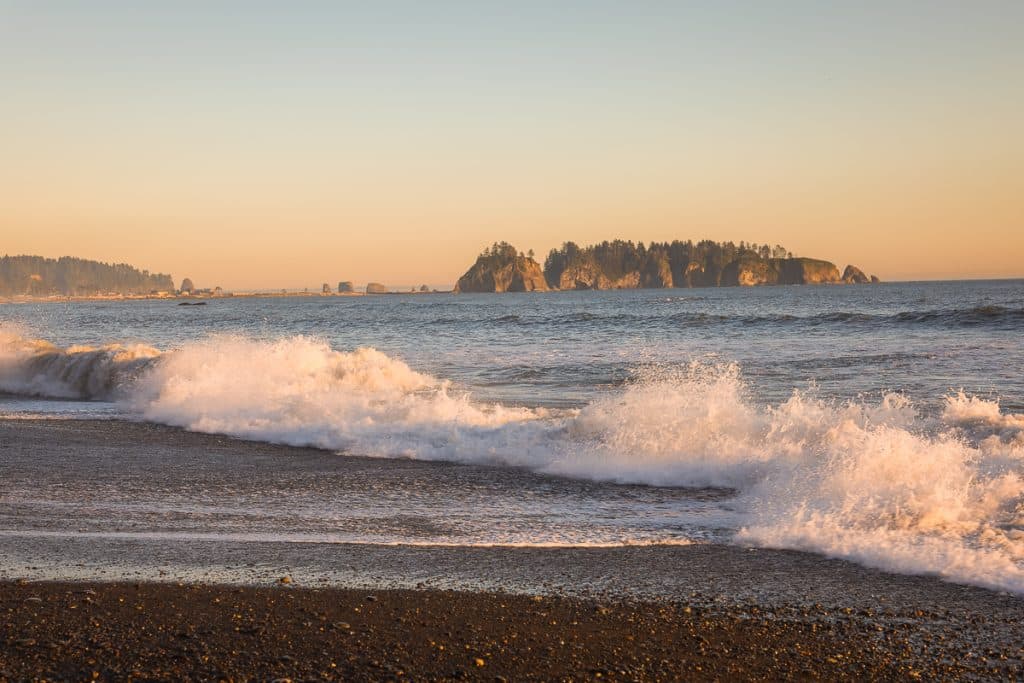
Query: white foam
{"points": [[299, 391], [871, 481], [34, 367]]}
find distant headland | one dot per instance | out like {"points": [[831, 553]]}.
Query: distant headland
{"points": [[69, 276], [627, 265], [37, 277]]}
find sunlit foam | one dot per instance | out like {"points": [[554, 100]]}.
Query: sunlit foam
{"points": [[869, 480]]}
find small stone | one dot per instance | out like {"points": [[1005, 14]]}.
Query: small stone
{"points": [[34, 599], [285, 579], [371, 598], [479, 661]]}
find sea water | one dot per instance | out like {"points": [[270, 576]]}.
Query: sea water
{"points": [[882, 424]]}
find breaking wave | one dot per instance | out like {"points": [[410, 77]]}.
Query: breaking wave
{"points": [[33, 367], [876, 481]]}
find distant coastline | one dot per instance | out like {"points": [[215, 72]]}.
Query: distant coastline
{"points": [[26, 298], [524, 268], [27, 278]]}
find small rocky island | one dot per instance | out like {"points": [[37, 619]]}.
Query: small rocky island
{"points": [[628, 265]]}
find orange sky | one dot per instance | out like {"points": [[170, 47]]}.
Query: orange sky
{"points": [[296, 149]]}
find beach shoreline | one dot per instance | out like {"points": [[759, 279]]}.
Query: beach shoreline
{"points": [[734, 612], [154, 631]]}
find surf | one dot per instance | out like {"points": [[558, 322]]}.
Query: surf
{"points": [[874, 480]]}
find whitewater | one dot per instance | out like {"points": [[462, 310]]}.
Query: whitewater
{"points": [[882, 425], [929, 485]]}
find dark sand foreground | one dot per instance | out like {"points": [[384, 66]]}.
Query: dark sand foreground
{"points": [[82, 598], [76, 631]]}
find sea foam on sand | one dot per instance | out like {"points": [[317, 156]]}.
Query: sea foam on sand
{"points": [[875, 481]]}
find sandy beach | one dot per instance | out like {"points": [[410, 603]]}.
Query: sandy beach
{"points": [[116, 603]]}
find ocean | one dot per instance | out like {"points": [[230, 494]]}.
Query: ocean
{"points": [[879, 424]]}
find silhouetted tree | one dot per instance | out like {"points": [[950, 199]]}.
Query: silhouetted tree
{"points": [[691, 264], [74, 276]]}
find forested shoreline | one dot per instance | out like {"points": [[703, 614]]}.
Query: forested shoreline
{"points": [[621, 264], [70, 276]]}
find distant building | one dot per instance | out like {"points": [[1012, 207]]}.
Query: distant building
{"points": [[346, 287], [187, 287], [325, 289], [376, 288]]}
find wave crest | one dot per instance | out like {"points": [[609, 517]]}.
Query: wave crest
{"points": [[301, 392], [875, 481], [33, 367]]}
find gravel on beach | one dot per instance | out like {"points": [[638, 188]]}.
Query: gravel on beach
{"points": [[153, 631]]}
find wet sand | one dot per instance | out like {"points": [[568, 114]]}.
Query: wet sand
{"points": [[202, 608]]}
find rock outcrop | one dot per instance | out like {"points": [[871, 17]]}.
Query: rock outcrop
{"points": [[628, 265], [502, 269], [750, 271], [692, 274], [853, 275], [807, 271], [657, 273], [581, 276]]}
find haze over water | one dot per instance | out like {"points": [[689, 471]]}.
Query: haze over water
{"points": [[883, 424]]}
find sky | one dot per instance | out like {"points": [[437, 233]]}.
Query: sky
{"points": [[285, 144]]}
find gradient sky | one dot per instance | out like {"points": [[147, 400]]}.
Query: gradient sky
{"points": [[258, 144]]}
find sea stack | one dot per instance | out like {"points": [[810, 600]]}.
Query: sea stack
{"points": [[855, 276], [501, 268]]}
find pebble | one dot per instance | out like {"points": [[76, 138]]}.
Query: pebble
{"points": [[564, 637]]}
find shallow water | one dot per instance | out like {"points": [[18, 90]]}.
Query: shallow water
{"points": [[876, 423]]}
